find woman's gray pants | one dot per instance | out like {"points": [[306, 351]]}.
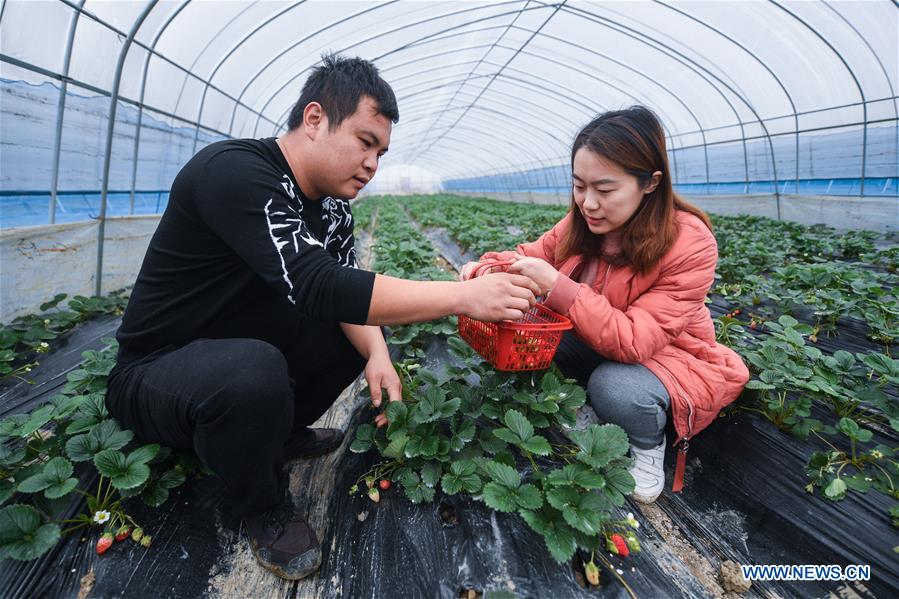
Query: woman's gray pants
{"points": [[628, 395]]}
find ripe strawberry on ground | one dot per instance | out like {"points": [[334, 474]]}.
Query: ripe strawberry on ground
{"points": [[374, 494], [104, 543], [124, 533], [616, 544], [384, 484]]}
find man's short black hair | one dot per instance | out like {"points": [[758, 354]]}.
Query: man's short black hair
{"points": [[338, 85]]}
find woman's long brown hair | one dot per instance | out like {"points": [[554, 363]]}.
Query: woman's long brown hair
{"points": [[633, 139]]}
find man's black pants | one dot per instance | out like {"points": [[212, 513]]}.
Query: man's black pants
{"points": [[235, 402]]}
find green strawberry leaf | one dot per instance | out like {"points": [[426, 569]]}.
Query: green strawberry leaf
{"points": [[34, 484], [122, 473], [60, 489], [7, 489], [537, 445], [144, 454], [502, 474], [36, 420], [518, 424], [599, 445], [500, 497], [528, 497], [364, 438], [577, 474], [836, 490], [619, 483], [397, 447], [430, 473], [506, 435], [23, 535]]}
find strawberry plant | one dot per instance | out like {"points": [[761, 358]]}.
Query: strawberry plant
{"points": [[28, 336], [494, 441], [51, 456]]}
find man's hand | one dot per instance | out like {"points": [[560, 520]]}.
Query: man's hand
{"points": [[499, 296], [380, 374], [539, 271]]}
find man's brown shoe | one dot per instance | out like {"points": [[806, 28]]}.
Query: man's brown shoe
{"points": [[311, 442], [283, 542]]}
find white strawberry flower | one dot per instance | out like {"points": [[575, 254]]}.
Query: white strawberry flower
{"points": [[632, 521], [101, 516]]}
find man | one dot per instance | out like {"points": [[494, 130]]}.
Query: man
{"points": [[249, 316]]}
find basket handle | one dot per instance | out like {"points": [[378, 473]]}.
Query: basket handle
{"points": [[489, 264]]}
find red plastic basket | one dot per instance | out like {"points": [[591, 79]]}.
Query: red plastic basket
{"points": [[526, 344]]}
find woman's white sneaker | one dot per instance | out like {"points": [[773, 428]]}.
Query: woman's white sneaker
{"points": [[648, 472]]}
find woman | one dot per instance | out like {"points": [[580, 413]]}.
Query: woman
{"points": [[630, 265]]}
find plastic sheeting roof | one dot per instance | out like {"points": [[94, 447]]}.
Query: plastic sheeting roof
{"points": [[482, 86]]}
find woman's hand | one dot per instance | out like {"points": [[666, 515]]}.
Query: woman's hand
{"points": [[469, 267], [466, 271], [539, 271]]}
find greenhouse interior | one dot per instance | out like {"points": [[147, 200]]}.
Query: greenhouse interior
{"points": [[601, 228]]}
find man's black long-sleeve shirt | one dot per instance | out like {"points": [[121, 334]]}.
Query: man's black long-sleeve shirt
{"points": [[241, 252]]}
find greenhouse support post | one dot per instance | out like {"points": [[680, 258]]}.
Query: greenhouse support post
{"points": [[60, 112], [107, 159]]}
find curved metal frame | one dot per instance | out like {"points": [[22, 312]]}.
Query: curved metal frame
{"points": [[60, 113], [228, 55], [212, 39], [560, 40], [480, 61], [767, 68], [107, 159], [494, 75], [861, 92], [380, 34], [162, 57], [143, 89], [591, 109], [699, 70]]}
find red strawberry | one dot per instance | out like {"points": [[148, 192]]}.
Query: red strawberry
{"points": [[123, 533], [384, 484], [619, 544], [104, 543]]}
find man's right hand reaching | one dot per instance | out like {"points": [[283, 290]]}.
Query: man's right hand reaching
{"points": [[499, 296]]}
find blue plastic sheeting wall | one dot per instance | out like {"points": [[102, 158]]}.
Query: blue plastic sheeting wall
{"points": [[28, 126], [25, 210], [829, 164], [880, 187]]}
